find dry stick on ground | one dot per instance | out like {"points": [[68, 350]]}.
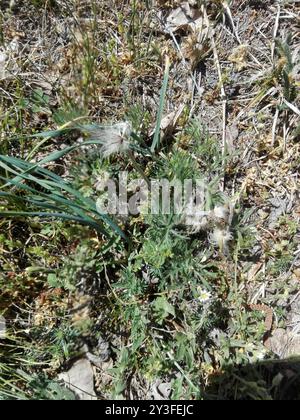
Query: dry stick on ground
{"points": [[275, 32], [223, 93], [234, 28], [275, 126], [292, 107], [196, 84], [276, 28], [185, 62], [171, 357], [229, 15]]}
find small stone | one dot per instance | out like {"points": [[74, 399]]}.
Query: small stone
{"points": [[284, 343], [3, 58], [80, 380]]}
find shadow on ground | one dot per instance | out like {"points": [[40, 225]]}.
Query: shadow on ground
{"points": [[267, 380]]}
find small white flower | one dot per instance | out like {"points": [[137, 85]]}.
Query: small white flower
{"points": [[221, 238], [114, 139], [204, 296]]}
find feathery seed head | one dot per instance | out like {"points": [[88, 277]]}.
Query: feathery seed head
{"points": [[114, 139], [221, 238]]}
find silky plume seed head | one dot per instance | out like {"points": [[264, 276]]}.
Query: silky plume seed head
{"points": [[221, 238], [195, 217], [114, 139]]}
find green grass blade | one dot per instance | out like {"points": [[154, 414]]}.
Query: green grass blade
{"points": [[54, 186], [53, 156], [163, 93], [46, 215]]}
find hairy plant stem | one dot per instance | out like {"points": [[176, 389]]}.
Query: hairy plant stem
{"points": [[137, 167]]}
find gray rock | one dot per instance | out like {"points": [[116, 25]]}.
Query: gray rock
{"points": [[285, 344], [80, 380]]}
